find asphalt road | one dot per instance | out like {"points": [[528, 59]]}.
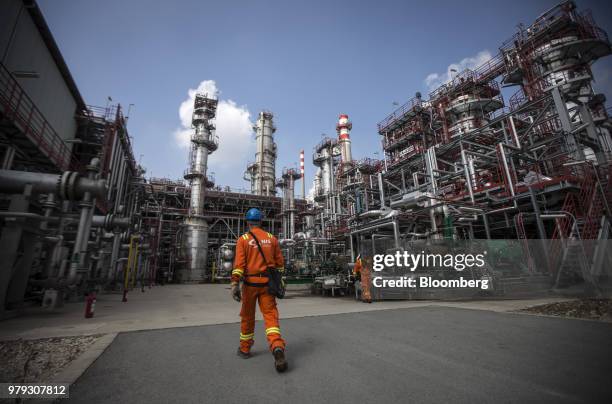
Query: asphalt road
{"points": [[420, 355]]}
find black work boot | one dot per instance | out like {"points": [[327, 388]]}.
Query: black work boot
{"points": [[280, 363], [244, 355]]}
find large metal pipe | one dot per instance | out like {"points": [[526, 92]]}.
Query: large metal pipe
{"points": [[69, 185], [466, 171], [110, 275], [372, 213], [80, 243], [506, 168], [109, 222], [378, 226], [381, 191], [121, 180], [29, 215], [113, 164]]}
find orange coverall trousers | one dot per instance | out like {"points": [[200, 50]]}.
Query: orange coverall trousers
{"points": [[267, 305], [366, 295]]}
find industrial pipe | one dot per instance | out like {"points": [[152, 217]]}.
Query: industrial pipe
{"points": [[372, 213], [80, 243], [299, 236], [110, 274], [377, 226], [374, 237], [468, 178], [381, 190], [387, 213], [69, 185], [29, 215], [472, 218], [110, 222]]}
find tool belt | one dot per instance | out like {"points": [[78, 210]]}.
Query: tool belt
{"points": [[263, 274]]}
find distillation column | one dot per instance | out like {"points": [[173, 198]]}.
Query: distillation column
{"points": [[289, 177], [566, 63], [195, 228], [551, 59], [262, 172], [323, 158]]}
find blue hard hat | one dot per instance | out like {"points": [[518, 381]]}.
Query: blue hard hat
{"points": [[253, 215]]}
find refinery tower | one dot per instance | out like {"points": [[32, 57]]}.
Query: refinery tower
{"points": [[262, 172], [195, 228]]}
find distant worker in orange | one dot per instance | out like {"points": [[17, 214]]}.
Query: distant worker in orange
{"points": [[253, 270], [362, 275]]}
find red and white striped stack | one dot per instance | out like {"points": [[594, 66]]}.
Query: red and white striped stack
{"points": [[343, 128], [302, 163], [302, 172]]}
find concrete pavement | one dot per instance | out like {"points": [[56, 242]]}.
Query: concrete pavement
{"points": [[422, 355], [191, 305]]}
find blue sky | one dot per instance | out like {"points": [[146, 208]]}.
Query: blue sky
{"points": [[305, 61]]}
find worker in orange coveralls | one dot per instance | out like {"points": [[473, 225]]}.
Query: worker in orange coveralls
{"points": [[250, 266], [362, 274]]}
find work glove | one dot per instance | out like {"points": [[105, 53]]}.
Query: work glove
{"points": [[236, 292]]}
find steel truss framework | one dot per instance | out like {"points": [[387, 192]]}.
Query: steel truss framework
{"points": [[464, 164]]}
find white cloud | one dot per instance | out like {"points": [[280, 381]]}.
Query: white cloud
{"points": [[234, 128], [435, 80], [310, 194]]}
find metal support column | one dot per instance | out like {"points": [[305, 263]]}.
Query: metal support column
{"points": [[9, 240]]}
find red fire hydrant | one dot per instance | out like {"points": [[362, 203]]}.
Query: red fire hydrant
{"points": [[90, 305]]}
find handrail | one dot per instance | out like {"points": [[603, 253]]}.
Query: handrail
{"points": [[19, 108], [398, 114]]}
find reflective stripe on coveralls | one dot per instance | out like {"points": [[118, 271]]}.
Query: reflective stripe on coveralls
{"points": [[273, 330], [267, 306], [249, 265]]}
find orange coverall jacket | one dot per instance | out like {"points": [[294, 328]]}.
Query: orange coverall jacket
{"points": [[248, 259], [364, 274], [357, 267], [249, 264]]}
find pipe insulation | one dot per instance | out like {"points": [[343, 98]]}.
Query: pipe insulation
{"points": [[69, 185]]}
